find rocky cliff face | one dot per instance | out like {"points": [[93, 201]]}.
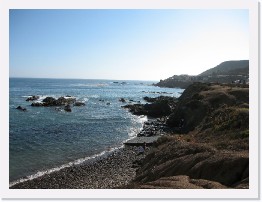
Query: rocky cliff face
{"points": [[209, 148]]}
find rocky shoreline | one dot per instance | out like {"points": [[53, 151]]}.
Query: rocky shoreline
{"points": [[112, 170], [203, 143]]}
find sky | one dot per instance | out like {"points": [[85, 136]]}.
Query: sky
{"points": [[124, 44]]}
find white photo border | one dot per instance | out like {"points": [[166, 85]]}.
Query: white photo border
{"points": [[254, 175]]}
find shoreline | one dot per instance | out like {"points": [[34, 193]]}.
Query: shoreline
{"points": [[111, 170], [76, 162], [118, 160], [204, 144]]}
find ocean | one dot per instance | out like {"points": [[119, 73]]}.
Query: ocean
{"points": [[43, 139]]}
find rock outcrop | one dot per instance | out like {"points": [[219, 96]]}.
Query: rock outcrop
{"points": [[50, 101], [208, 144], [161, 106]]}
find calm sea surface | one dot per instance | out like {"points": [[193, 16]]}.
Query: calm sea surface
{"points": [[44, 139]]}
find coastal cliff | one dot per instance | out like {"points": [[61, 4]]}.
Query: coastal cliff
{"points": [[199, 140], [209, 149]]}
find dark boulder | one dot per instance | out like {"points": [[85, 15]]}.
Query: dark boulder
{"points": [[65, 101], [50, 101], [33, 98], [21, 108], [67, 108], [157, 109]]}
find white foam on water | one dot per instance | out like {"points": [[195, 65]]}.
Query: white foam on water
{"points": [[85, 99], [134, 130], [94, 96], [26, 96], [76, 162], [89, 85]]}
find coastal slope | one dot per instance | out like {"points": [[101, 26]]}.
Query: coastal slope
{"points": [[209, 149]]}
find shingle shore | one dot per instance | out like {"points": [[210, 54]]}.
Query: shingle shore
{"points": [[114, 170]]}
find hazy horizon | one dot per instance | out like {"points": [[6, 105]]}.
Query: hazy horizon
{"points": [[124, 44]]}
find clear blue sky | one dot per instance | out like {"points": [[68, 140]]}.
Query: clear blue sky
{"points": [[124, 44]]}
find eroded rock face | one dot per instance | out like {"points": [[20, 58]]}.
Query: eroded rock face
{"points": [[158, 108], [198, 161], [199, 101]]}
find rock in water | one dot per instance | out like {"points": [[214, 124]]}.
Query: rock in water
{"points": [[79, 104], [50, 101], [122, 100], [67, 108], [37, 104], [33, 98], [21, 108]]}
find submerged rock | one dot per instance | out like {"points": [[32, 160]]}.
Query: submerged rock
{"points": [[79, 104], [21, 108]]}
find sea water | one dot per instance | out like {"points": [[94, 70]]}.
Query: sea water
{"points": [[42, 139]]}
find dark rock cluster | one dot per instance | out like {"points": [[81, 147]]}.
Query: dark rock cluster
{"points": [[62, 103], [161, 106], [50, 101]]}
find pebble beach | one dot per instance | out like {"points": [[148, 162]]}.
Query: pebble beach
{"points": [[109, 171]]}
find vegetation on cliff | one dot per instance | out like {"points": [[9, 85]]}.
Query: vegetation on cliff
{"points": [[210, 148]]}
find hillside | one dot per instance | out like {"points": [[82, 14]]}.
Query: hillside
{"points": [[209, 150], [227, 67], [226, 72]]}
